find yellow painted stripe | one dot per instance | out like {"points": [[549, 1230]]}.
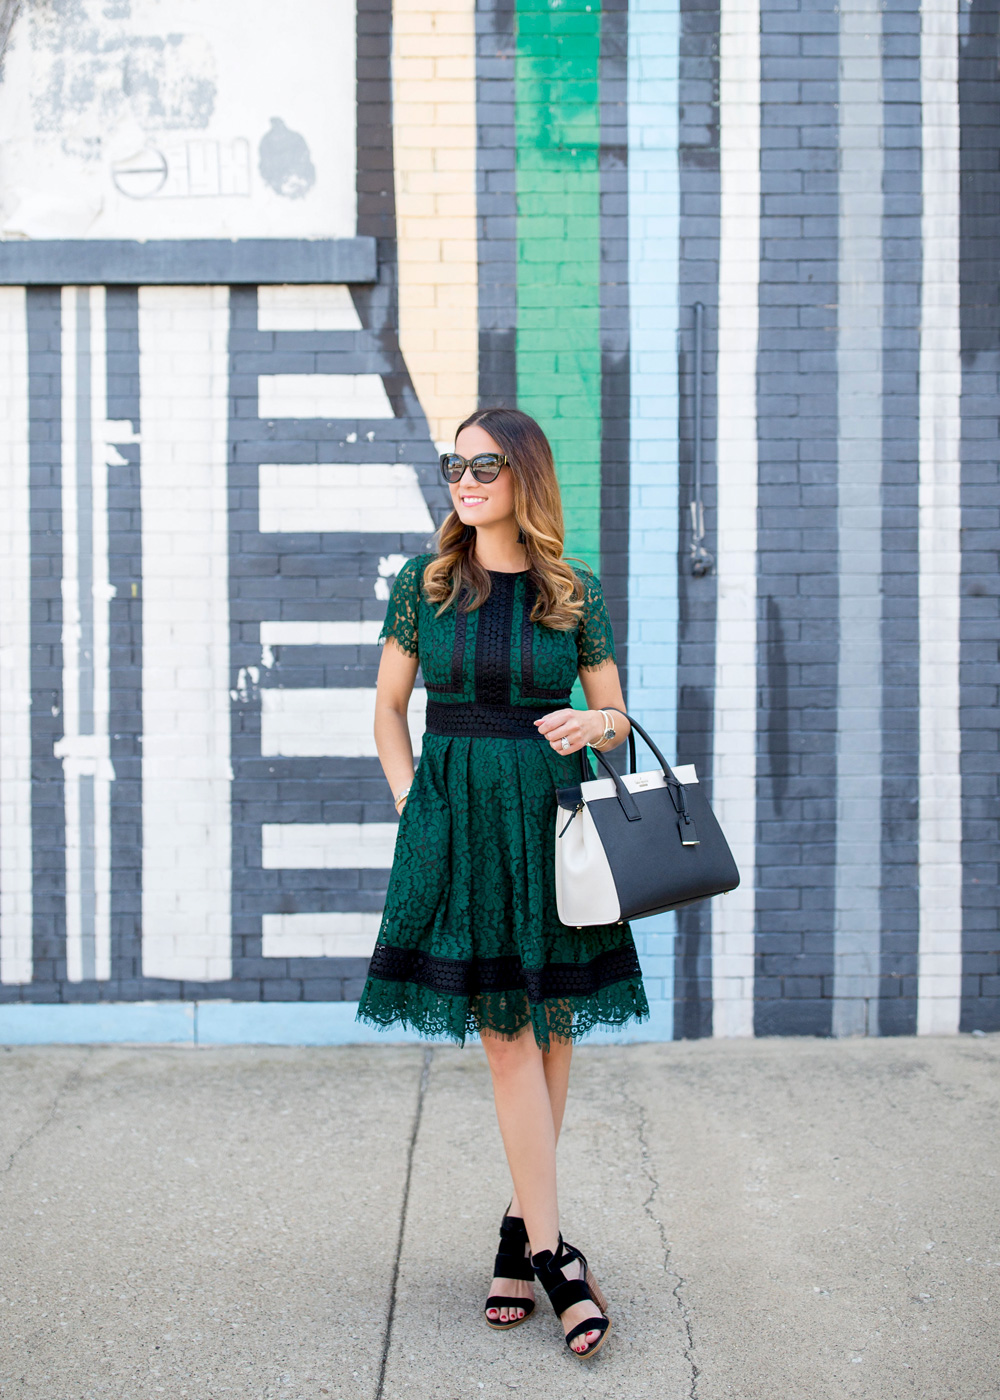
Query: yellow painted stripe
{"points": [[434, 140]]}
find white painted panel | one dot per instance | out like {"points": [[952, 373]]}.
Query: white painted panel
{"points": [[334, 723], [319, 634], [378, 497], [328, 845], [939, 532], [183, 334], [15, 644], [322, 396], [735, 736], [306, 308], [320, 935], [227, 125], [84, 748]]}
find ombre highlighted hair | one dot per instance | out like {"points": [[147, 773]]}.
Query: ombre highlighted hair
{"points": [[455, 576]]}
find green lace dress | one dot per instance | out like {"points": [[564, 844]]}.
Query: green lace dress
{"points": [[470, 938]]}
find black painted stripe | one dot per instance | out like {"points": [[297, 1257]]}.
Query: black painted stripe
{"points": [[699, 280]]}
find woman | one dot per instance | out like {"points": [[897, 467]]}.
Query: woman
{"points": [[501, 626]]}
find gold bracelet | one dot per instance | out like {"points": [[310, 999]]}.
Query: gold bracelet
{"points": [[400, 796], [609, 732]]}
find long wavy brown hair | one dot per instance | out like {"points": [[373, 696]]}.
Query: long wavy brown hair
{"points": [[456, 576]]}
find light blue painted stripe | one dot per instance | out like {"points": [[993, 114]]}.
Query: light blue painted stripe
{"points": [[654, 235], [291, 1023], [156, 1022], [237, 1023]]}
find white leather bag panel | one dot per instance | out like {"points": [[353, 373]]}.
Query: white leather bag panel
{"points": [[585, 887], [637, 782]]}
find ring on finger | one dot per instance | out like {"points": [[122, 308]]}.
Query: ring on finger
{"points": [[564, 742]]}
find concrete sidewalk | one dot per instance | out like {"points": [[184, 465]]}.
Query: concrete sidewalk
{"points": [[797, 1219]]}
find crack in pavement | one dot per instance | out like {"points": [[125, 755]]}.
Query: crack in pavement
{"points": [[72, 1079], [390, 1315], [683, 1310]]}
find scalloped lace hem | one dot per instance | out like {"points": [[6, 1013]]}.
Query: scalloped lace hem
{"points": [[503, 1014]]}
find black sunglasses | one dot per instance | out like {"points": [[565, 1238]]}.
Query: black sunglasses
{"points": [[485, 467]]}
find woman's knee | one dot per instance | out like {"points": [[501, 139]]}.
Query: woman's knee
{"points": [[507, 1056]]}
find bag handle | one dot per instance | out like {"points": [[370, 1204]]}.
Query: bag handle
{"points": [[625, 798], [689, 836], [635, 727]]}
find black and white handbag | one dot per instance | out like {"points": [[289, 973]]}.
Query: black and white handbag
{"points": [[628, 846]]}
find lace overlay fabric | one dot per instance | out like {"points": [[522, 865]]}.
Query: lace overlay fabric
{"points": [[595, 642], [470, 939]]}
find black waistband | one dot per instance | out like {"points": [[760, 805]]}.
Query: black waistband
{"points": [[476, 721]]}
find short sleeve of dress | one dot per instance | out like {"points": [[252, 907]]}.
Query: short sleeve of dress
{"points": [[594, 641], [401, 615]]}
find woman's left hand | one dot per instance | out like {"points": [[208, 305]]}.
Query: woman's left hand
{"points": [[567, 731]]}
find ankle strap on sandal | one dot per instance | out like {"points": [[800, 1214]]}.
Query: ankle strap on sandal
{"points": [[563, 1292]]}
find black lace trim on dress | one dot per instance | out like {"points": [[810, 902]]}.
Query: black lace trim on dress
{"points": [[528, 687], [457, 683], [471, 720], [493, 642], [472, 977]]}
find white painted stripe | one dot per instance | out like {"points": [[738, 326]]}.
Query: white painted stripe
{"points": [[377, 497], [183, 335], [306, 308], [940, 822], [327, 723], [322, 396], [735, 727], [103, 454], [320, 935], [319, 634], [70, 632], [328, 845], [15, 645]]}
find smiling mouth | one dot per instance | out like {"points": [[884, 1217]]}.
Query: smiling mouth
{"points": [[474, 500]]}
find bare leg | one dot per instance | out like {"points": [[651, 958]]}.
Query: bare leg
{"points": [[556, 1062], [529, 1121]]}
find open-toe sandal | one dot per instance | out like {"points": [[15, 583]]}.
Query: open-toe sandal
{"points": [[564, 1292], [512, 1261]]}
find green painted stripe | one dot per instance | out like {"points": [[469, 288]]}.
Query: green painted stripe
{"points": [[557, 123]]}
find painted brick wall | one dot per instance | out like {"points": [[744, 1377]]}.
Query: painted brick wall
{"points": [[207, 487]]}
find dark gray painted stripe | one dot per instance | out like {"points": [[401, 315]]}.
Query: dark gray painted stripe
{"points": [[125, 657], [979, 98], [615, 322], [496, 202], [797, 537], [699, 281], [88, 878], [858, 879], [900, 448], [186, 261], [48, 820]]}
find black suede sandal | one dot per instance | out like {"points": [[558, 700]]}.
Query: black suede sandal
{"points": [[564, 1292], [511, 1262]]}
